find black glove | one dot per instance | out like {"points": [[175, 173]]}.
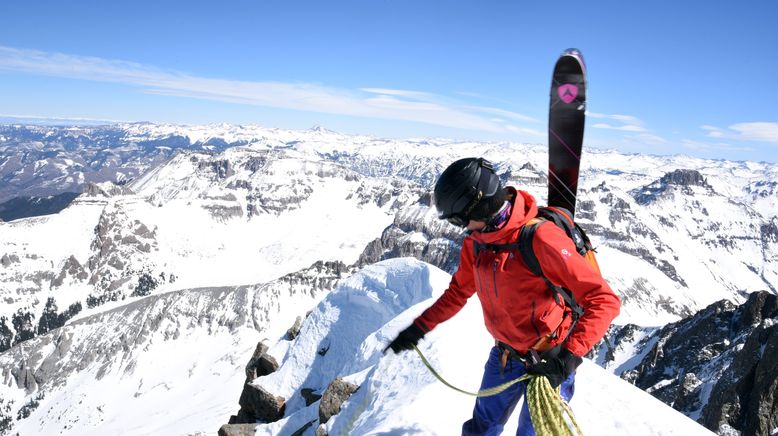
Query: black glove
{"points": [[406, 339], [556, 369]]}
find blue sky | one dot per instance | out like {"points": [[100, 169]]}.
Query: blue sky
{"points": [[665, 77]]}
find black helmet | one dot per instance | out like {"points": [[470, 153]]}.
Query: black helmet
{"points": [[462, 186]]}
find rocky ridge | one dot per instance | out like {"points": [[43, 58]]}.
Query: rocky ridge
{"points": [[718, 366]]}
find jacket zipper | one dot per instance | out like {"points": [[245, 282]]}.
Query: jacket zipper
{"points": [[494, 276], [532, 320], [481, 286]]}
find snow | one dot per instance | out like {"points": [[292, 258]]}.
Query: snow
{"points": [[169, 364], [205, 252], [46, 242], [398, 395], [181, 387]]}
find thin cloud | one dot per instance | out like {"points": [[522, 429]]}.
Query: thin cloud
{"points": [[753, 131], [503, 113], [365, 102], [55, 118], [434, 99], [628, 119], [713, 131], [765, 132], [649, 139], [418, 95], [714, 146], [627, 123], [633, 127], [471, 94], [525, 131], [623, 128]]}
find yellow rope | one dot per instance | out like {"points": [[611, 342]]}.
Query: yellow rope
{"points": [[482, 393], [547, 408]]}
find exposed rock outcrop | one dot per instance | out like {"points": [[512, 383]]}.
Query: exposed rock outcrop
{"points": [[72, 268], [221, 169], [261, 404], [333, 398], [719, 366], [679, 180], [106, 189], [260, 364], [238, 430], [7, 259], [294, 330], [256, 402], [744, 397], [416, 232]]}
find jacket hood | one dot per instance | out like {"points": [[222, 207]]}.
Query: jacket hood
{"points": [[525, 208]]}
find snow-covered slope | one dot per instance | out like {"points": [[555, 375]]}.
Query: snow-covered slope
{"points": [[200, 220], [398, 394], [168, 364]]}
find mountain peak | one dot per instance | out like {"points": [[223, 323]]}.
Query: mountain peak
{"points": [[684, 177], [320, 129]]}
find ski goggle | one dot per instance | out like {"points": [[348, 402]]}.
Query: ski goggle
{"points": [[458, 220], [463, 219]]}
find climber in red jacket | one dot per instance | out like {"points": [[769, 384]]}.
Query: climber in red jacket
{"points": [[530, 326]]}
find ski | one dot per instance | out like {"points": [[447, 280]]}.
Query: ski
{"points": [[566, 128]]}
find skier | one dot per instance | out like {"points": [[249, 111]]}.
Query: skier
{"points": [[533, 332]]}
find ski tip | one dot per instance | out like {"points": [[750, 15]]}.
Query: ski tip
{"points": [[574, 52]]}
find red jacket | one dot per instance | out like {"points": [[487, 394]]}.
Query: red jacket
{"points": [[519, 308]]}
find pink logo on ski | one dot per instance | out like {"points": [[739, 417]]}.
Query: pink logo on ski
{"points": [[568, 92]]}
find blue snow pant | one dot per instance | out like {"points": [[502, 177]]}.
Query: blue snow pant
{"points": [[491, 413]]}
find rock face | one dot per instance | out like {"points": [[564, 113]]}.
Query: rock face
{"points": [[238, 430], [294, 330], [106, 189], [744, 398], [684, 178], [334, 396], [255, 401], [417, 232], [719, 366], [678, 180], [72, 268], [7, 260], [260, 363], [119, 257], [220, 169], [769, 231]]}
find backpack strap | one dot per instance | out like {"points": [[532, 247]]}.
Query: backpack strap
{"points": [[560, 294], [526, 235], [562, 218]]}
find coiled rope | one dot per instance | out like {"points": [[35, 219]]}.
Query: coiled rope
{"points": [[550, 413]]}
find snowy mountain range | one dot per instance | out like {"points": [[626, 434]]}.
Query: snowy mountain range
{"points": [[136, 308]]}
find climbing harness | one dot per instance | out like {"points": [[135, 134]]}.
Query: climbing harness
{"points": [[551, 415]]}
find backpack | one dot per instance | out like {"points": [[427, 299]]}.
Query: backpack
{"points": [[561, 218]]}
